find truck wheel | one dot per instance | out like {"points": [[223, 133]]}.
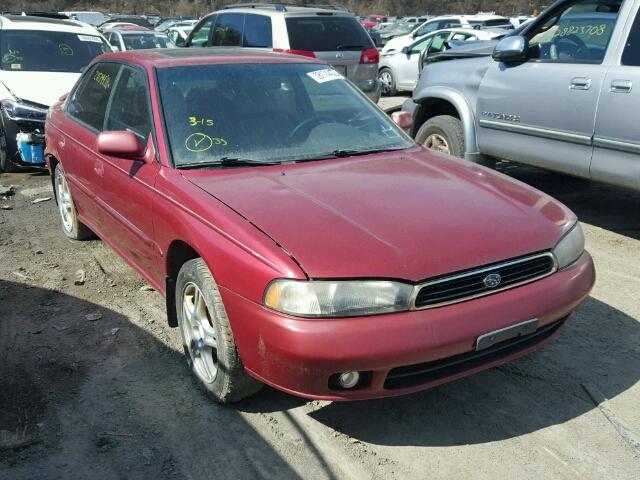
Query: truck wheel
{"points": [[387, 83], [207, 338], [443, 134], [71, 226]]}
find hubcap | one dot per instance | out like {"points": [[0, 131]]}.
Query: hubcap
{"points": [[65, 202], [198, 332], [438, 143], [385, 81]]}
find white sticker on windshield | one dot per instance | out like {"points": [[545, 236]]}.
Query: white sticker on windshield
{"points": [[89, 38], [326, 75]]}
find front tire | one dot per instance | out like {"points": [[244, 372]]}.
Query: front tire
{"points": [[71, 226], [443, 134], [207, 339], [387, 83], [6, 165]]}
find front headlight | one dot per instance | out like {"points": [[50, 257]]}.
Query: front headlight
{"points": [[348, 298], [570, 247], [19, 110]]}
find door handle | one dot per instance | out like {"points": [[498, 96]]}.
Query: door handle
{"points": [[580, 83], [621, 86]]}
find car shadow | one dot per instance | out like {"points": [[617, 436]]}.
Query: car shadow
{"points": [[85, 393], [595, 203], [595, 357]]}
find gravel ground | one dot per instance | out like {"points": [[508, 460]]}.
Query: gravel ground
{"points": [[93, 383]]}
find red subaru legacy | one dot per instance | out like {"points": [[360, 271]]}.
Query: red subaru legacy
{"points": [[300, 237]]}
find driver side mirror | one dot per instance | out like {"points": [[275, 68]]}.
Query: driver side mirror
{"points": [[405, 50], [121, 143], [511, 49]]}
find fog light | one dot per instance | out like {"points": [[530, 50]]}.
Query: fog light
{"points": [[348, 379]]}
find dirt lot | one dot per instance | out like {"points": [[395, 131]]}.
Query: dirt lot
{"points": [[93, 383]]}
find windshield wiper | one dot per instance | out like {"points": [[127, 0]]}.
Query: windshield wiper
{"points": [[228, 162], [347, 153]]}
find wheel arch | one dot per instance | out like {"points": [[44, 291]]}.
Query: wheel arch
{"points": [[52, 161], [434, 101], [178, 253]]}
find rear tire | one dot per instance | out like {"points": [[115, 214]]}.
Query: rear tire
{"points": [[444, 134], [387, 83], [207, 338], [71, 226], [6, 165]]}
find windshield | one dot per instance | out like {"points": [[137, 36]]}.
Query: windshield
{"points": [[141, 41], [269, 113], [46, 51]]}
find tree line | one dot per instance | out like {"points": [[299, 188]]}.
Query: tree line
{"points": [[359, 7]]}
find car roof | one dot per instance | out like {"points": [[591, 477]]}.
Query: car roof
{"points": [[26, 22], [176, 57], [290, 10]]}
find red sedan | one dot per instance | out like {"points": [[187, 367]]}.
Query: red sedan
{"points": [[300, 237]]}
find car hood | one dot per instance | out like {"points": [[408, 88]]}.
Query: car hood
{"points": [[410, 216], [40, 87]]}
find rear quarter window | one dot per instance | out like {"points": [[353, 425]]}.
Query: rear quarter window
{"points": [[326, 34]]}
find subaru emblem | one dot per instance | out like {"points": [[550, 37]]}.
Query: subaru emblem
{"points": [[492, 280]]}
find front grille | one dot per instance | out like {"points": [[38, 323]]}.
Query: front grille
{"points": [[476, 283], [412, 375]]}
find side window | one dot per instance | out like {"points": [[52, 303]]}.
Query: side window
{"points": [[200, 35], [438, 43], [257, 31], [129, 109], [428, 28], [420, 46], [88, 103], [228, 30], [449, 24], [631, 54], [578, 33]]}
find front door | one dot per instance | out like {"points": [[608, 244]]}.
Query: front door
{"points": [[616, 153], [542, 111]]}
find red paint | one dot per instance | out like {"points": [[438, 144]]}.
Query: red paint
{"points": [[409, 215]]}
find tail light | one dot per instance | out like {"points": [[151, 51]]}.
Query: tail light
{"points": [[303, 53], [370, 56]]}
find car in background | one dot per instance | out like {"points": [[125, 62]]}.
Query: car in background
{"points": [[399, 71], [393, 31], [108, 26], [131, 39], [92, 18], [413, 20], [40, 60], [448, 21], [166, 23], [373, 19], [330, 35], [519, 20], [179, 35], [267, 200], [375, 36], [140, 20]]}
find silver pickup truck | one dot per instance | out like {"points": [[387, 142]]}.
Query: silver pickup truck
{"points": [[562, 95]]}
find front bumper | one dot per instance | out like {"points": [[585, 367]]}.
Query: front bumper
{"points": [[299, 356]]}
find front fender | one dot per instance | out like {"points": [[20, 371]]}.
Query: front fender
{"points": [[460, 103]]}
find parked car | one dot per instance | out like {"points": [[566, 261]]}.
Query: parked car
{"points": [[40, 59], [399, 71], [520, 19], [179, 35], [558, 96], [92, 18], [140, 20], [373, 19], [414, 20], [331, 35], [318, 282], [137, 39], [109, 26], [375, 36], [448, 21], [165, 23], [394, 31]]}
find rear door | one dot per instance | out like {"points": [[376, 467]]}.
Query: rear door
{"points": [[84, 118], [337, 39], [542, 111], [408, 71], [616, 154]]}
